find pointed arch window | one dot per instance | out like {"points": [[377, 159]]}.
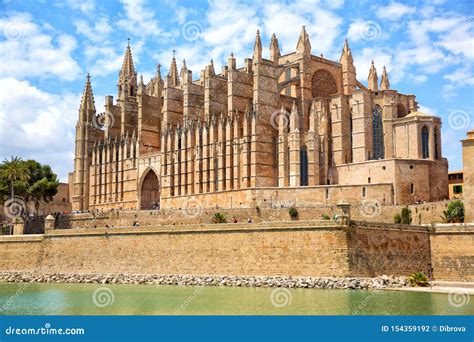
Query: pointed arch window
{"points": [[351, 131], [304, 166], [377, 133], [425, 142]]}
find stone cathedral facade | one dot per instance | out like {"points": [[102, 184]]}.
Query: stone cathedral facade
{"points": [[294, 129]]}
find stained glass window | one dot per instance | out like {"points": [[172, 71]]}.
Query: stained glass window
{"points": [[377, 133], [425, 141]]}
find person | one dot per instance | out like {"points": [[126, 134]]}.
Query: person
{"points": [[249, 220], [235, 219], [136, 224]]}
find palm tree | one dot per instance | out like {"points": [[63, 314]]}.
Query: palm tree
{"points": [[14, 170]]}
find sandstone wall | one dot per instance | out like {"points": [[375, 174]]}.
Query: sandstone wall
{"points": [[452, 252], [238, 250], [376, 249], [303, 248], [20, 252], [193, 213]]}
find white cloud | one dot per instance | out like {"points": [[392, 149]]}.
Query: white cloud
{"points": [[86, 6], [427, 110], [139, 20], [394, 11], [38, 125], [28, 51], [461, 76], [380, 57]]}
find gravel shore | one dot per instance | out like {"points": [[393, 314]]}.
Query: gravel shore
{"points": [[379, 282]]}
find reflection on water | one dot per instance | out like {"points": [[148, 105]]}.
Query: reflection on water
{"points": [[96, 299]]}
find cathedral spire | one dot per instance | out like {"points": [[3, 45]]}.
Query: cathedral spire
{"points": [[173, 72], [304, 45], [141, 86], [158, 70], [184, 71], [346, 52], [257, 48], [87, 107], [274, 49], [209, 69], [127, 74], [384, 83], [373, 79], [128, 69], [348, 69]]}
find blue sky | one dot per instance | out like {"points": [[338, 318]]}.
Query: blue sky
{"points": [[47, 48]]}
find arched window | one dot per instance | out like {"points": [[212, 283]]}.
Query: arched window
{"points": [[377, 133], [351, 129], [425, 142], [304, 166], [436, 149]]}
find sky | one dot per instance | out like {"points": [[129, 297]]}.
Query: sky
{"points": [[48, 47]]}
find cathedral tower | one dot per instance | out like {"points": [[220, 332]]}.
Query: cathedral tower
{"points": [[87, 129]]}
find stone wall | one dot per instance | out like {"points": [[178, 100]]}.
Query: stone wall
{"points": [[452, 252], [194, 214], [301, 248], [375, 249], [309, 196], [20, 252], [313, 250]]}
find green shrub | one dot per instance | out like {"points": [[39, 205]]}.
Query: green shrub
{"points": [[397, 218], [406, 216], [293, 212], [454, 213], [418, 279], [326, 217], [219, 218]]}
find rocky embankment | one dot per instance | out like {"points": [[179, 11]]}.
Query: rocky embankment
{"points": [[193, 280]]}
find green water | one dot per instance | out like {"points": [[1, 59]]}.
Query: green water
{"points": [[94, 299]]}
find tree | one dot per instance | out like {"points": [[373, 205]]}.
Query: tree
{"points": [[11, 171], [454, 213], [30, 180], [406, 216]]}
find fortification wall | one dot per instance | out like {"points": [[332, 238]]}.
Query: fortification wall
{"points": [[377, 248], [452, 252], [238, 250], [20, 252]]}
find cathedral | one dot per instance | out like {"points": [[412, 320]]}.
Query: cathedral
{"points": [[292, 130]]}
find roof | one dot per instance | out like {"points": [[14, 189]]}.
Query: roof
{"points": [[417, 113]]}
